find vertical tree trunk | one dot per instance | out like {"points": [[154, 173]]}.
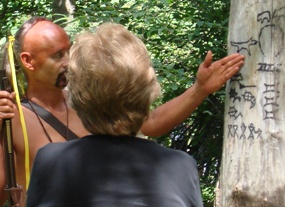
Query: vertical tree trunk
{"points": [[253, 161], [61, 8]]}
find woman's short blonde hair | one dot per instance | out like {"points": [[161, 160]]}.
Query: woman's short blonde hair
{"points": [[111, 80]]}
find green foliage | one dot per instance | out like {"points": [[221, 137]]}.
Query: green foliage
{"points": [[177, 34], [13, 13]]}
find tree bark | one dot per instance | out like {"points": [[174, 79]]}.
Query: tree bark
{"points": [[253, 160], [61, 8]]}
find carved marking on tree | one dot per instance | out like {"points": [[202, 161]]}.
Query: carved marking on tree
{"points": [[234, 131], [264, 17], [275, 31], [234, 95], [271, 93], [270, 106], [244, 45], [254, 132], [265, 67], [248, 96], [234, 113], [238, 78], [243, 129]]}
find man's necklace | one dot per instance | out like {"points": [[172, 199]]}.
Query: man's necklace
{"points": [[41, 123]]}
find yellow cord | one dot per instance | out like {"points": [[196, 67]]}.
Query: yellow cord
{"points": [[18, 101]]}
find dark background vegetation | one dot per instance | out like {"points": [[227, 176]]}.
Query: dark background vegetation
{"points": [[177, 34]]}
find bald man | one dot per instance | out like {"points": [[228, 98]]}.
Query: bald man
{"points": [[41, 48]]}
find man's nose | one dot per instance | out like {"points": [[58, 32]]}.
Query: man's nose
{"points": [[66, 60]]}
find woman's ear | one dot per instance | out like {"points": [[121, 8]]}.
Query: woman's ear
{"points": [[27, 60]]}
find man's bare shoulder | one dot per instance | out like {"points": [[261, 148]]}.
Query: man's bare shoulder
{"points": [[34, 130]]}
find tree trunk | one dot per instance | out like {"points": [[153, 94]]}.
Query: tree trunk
{"points": [[253, 161], [63, 8]]}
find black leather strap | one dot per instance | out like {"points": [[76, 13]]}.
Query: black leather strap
{"points": [[50, 119]]}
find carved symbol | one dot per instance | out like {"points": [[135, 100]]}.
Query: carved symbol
{"points": [[269, 88], [269, 114], [253, 131], [265, 67], [244, 45], [247, 96], [233, 131], [278, 13], [230, 129], [233, 94], [270, 31], [243, 128], [270, 101], [234, 113], [264, 16], [259, 132], [238, 78]]}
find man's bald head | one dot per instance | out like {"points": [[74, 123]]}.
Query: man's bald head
{"points": [[41, 36], [23, 30]]}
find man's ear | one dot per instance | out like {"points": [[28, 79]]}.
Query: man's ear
{"points": [[27, 60]]}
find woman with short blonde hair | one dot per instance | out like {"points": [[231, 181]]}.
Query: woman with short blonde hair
{"points": [[112, 73]]}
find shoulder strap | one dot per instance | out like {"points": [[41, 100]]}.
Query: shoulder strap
{"points": [[50, 119]]}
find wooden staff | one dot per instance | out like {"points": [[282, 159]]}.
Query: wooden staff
{"points": [[15, 192]]}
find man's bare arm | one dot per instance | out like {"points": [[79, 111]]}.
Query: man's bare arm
{"points": [[211, 77]]}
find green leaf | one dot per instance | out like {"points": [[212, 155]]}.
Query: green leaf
{"points": [[174, 86], [3, 41]]}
